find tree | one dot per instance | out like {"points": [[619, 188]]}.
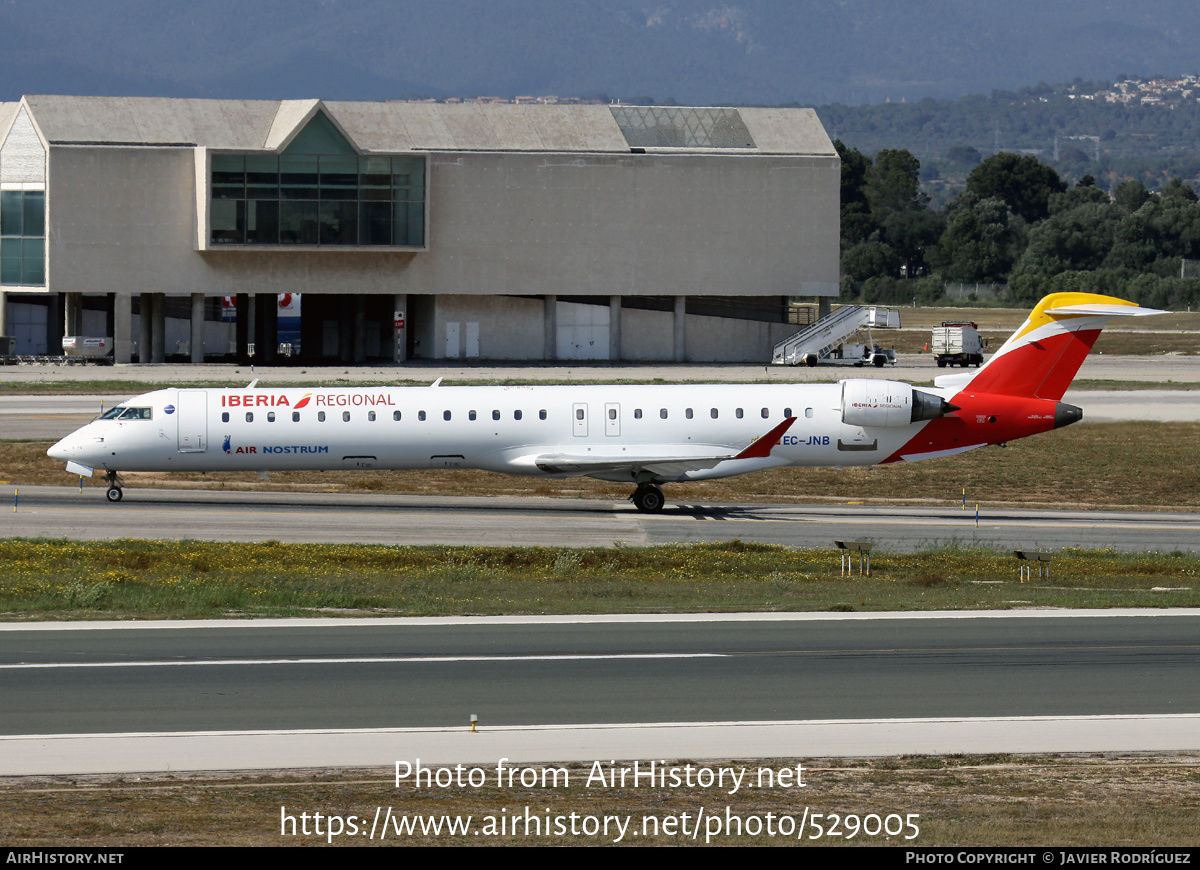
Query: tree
{"points": [[1024, 183], [981, 241]]}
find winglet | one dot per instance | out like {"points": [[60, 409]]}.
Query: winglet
{"points": [[761, 447]]}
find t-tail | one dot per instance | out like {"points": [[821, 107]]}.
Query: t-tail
{"points": [[1041, 358], [1019, 391]]}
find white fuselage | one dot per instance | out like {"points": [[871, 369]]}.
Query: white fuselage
{"points": [[625, 433]]}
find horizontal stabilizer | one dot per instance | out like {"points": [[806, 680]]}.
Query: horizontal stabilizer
{"points": [[1102, 310]]}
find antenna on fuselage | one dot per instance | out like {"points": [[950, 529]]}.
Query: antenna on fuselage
{"points": [[436, 383], [251, 385]]}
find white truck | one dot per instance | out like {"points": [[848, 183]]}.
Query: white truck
{"points": [[957, 342]]}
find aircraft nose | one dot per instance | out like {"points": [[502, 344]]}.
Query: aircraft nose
{"points": [[60, 451]]}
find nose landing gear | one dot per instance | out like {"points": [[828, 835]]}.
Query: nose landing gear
{"points": [[648, 498], [114, 487]]}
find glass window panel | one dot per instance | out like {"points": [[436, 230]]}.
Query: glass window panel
{"points": [[375, 223], [262, 176], [339, 223], [339, 178], [408, 177], [11, 213], [297, 177], [298, 223], [10, 261], [35, 213], [409, 225], [262, 222], [228, 176], [374, 178], [228, 222], [34, 263]]}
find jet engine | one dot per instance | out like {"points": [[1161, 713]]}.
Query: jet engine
{"points": [[868, 402]]}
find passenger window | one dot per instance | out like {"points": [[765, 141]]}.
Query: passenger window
{"points": [[320, 416], [371, 416], [345, 416], [421, 416], [295, 416], [688, 413], [224, 416], [471, 415], [738, 413], [637, 413], [270, 416], [445, 415], [765, 413], [495, 415], [808, 412], [787, 412], [542, 414], [516, 415], [713, 413], [396, 415], [662, 412], [249, 416]]}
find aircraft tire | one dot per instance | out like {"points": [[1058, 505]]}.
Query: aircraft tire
{"points": [[114, 494], [649, 499]]}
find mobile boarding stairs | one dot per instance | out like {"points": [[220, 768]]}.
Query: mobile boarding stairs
{"points": [[842, 339]]}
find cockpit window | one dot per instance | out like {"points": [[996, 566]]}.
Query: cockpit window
{"points": [[123, 413]]}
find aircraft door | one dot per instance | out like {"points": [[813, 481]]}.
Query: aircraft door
{"points": [[579, 421], [191, 415], [612, 418]]}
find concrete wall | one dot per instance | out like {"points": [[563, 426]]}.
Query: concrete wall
{"points": [[508, 328], [527, 224], [22, 157]]}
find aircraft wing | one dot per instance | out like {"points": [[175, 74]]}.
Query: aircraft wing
{"points": [[668, 461]]}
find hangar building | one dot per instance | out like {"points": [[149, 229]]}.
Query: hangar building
{"points": [[412, 230]]}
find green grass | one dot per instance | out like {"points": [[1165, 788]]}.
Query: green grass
{"points": [[196, 579]]}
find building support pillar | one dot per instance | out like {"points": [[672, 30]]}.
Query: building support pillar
{"points": [[266, 333], [359, 353], [824, 306], [122, 333], [400, 327], [73, 319], [4, 320], [158, 328], [197, 323], [614, 328], [680, 329], [242, 327], [145, 318], [550, 327]]}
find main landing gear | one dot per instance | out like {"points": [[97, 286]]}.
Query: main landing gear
{"points": [[114, 487], [648, 498]]}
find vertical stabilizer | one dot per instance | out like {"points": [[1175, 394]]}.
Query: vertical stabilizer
{"points": [[1042, 357]]}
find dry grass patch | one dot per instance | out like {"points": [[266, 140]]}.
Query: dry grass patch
{"points": [[1105, 800]]}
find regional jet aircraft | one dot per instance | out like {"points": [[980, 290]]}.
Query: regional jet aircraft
{"points": [[643, 435]]}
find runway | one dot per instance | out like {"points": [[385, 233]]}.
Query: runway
{"points": [[386, 519], [368, 692]]}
